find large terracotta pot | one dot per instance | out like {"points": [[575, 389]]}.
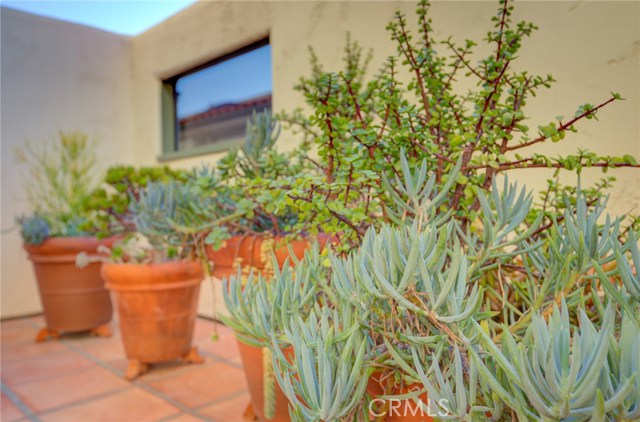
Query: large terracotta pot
{"points": [[253, 371], [247, 249], [382, 383], [73, 299], [156, 306]]}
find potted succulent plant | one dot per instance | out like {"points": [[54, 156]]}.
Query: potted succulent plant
{"points": [[156, 273], [405, 327], [451, 276], [255, 179], [253, 314], [107, 206], [58, 181]]}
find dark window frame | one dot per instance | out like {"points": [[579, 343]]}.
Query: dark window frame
{"points": [[170, 130]]}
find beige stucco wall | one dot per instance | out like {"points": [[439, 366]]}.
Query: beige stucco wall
{"points": [[55, 75], [591, 48]]}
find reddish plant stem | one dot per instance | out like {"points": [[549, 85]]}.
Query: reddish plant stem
{"points": [[408, 52], [467, 65], [514, 165], [470, 148], [330, 159], [356, 103], [562, 127]]}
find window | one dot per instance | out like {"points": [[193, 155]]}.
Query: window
{"points": [[206, 109]]}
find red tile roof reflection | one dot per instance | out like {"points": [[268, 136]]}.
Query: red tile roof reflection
{"points": [[222, 109]]}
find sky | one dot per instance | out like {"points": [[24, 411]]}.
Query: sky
{"points": [[120, 16]]}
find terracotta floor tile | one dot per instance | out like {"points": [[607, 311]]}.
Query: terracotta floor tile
{"points": [[225, 347], [18, 323], [119, 365], [61, 381], [185, 417], [230, 410], [201, 386], [224, 330], [25, 349], [102, 348], [133, 405], [42, 367], [8, 411], [65, 389], [17, 330], [160, 371], [203, 329], [36, 320]]}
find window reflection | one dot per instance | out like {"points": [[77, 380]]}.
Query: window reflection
{"points": [[213, 104]]}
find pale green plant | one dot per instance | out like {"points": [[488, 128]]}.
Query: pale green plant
{"points": [[417, 302], [176, 218], [629, 272], [573, 374], [59, 177]]}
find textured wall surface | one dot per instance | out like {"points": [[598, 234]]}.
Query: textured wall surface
{"points": [[591, 48], [55, 76]]}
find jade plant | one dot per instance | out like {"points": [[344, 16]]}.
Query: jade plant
{"points": [[58, 180], [108, 204], [452, 293], [360, 126], [168, 220], [257, 175], [177, 217], [481, 326]]}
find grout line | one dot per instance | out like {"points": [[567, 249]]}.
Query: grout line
{"points": [[32, 416], [170, 400], [17, 402], [40, 378], [182, 407], [90, 399], [170, 418], [219, 359], [223, 399], [71, 348]]}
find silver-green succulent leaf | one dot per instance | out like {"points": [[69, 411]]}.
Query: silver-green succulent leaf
{"points": [[256, 303], [329, 376], [628, 270], [563, 371]]}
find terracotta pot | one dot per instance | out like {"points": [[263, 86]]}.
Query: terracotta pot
{"points": [[73, 299], [252, 363], [381, 383], [248, 249], [156, 306]]}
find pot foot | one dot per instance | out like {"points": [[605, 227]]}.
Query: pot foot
{"points": [[193, 356], [47, 333], [101, 331], [135, 369], [249, 414]]}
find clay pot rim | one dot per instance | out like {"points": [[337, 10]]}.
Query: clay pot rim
{"points": [[168, 264], [64, 245], [272, 235], [152, 273]]}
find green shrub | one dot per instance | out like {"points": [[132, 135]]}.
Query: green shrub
{"points": [[361, 128]]}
